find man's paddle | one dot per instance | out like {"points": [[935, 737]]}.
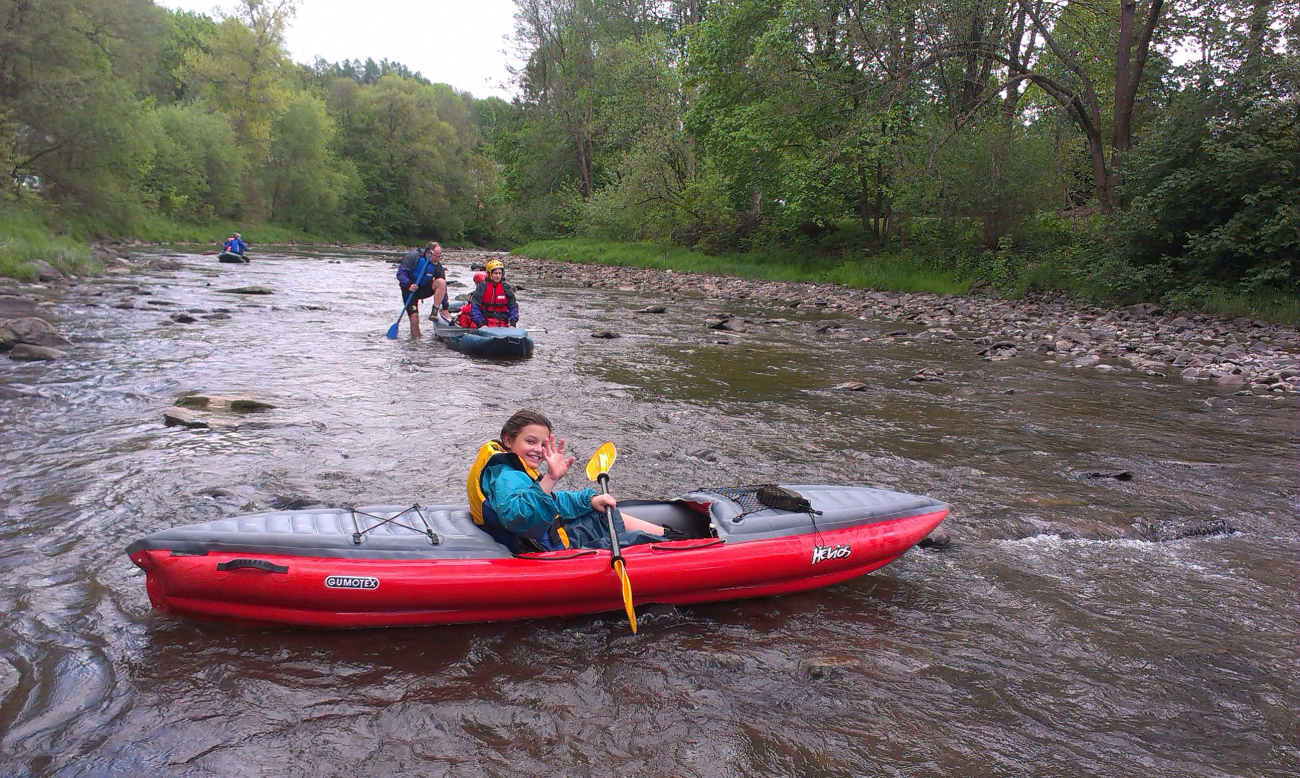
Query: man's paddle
{"points": [[598, 470], [419, 270], [392, 331]]}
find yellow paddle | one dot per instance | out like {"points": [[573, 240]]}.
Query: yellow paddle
{"points": [[598, 470]]}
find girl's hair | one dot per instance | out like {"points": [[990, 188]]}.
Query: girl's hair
{"points": [[520, 420]]}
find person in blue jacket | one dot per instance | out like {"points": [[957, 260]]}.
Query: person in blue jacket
{"points": [[421, 272], [235, 244], [519, 506]]}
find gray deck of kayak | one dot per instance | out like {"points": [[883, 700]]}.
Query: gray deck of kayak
{"points": [[330, 532]]}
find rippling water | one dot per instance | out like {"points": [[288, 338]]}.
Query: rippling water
{"points": [[1047, 640]]}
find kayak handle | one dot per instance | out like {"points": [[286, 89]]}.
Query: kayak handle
{"points": [[674, 546], [255, 564]]}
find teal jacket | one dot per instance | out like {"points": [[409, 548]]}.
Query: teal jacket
{"points": [[521, 505]]}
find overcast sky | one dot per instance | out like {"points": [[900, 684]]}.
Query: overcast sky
{"points": [[457, 42]]}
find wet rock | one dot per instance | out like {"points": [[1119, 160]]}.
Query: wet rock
{"points": [[653, 309], [927, 374], [239, 403], [248, 290], [730, 325], [605, 335], [1117, 475], [826, 668], [898, 334], [1087, 360], [999, 352], [14, 306], [45, 271], [1221, 403], [30, 330], [1230, 381], [183, 318], [216, 316], [175, 416], [1193, 375], [937, 540], [25, 352], [657, 613], [705, 454], [850, 386], [826, 326]]}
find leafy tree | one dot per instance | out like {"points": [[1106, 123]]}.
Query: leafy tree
{"points": [[307, 185], [198, 166], [411, 162]]}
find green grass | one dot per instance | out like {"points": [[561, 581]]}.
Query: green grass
{"points": [[1269, 306], [24, 238], [898, 273], [156, 229]]}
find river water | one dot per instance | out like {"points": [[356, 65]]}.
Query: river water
{"points": [[1049, 639]]}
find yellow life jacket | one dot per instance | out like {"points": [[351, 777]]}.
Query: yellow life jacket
{"points": [[489, 453]]}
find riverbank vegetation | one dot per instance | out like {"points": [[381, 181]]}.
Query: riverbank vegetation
{"points": [[1114, 151]]}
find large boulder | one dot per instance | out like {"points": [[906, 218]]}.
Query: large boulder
{"points": [[30, 330], [45, 271]]}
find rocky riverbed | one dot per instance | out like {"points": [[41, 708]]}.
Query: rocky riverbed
{"points": [[1245, 356]]}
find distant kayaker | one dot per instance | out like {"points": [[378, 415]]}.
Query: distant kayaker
{"points": [[519, 507], [492, 303], [421, 272], [235, 244]]}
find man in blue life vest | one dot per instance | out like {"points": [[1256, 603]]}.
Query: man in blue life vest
{"points": [[421, 272], [492, 303], [235, 244]]}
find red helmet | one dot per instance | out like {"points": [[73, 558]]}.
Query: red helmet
{"points": [[480, 277]]}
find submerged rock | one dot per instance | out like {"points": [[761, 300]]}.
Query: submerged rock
{"points": [[937, 540], [850, 386], [605, 335], [1118, 475], [24, 352], [248, 290]]}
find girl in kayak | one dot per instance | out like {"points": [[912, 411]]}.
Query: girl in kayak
{"points": [[520, 507], [492, 303]]}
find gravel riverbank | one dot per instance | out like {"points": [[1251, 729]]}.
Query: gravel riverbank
{"points": [[1243, 356]]}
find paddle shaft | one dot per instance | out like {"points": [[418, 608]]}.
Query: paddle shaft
{"points": [[603, 480]]}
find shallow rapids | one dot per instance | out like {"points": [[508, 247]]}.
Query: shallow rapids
{"points": [[1051, 638]]}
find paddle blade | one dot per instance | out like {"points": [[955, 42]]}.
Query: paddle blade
{"points": [[601, 461], [392, 331], [627, 593]]}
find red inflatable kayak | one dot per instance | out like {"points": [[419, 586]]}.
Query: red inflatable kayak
{"points": [[388, 566]]}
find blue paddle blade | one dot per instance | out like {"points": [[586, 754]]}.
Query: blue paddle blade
{"points": [[392, 331]]}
